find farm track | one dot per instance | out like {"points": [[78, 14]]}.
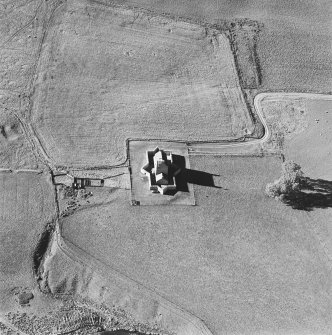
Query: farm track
{"points": [[34, 142], [219, 148]]}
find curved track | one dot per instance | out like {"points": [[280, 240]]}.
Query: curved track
{"points": [[223, 148]]}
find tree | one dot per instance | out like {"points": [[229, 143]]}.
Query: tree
{"points": [[288, 183]]}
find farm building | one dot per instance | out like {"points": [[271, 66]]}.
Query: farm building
{"points": [[63, 179], [76, 182], [161, 171], [90, 182]]}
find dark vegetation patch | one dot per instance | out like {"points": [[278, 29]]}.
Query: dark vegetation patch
{"points": [[24, 298], [41, 247], [23, 295], [243, 36]]}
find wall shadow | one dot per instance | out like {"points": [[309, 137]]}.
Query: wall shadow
{"points": [[181, 183], [189, 176], [314, 193], [199, 178]]}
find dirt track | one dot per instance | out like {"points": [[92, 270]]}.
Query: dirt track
{"points": [[253, 145]]}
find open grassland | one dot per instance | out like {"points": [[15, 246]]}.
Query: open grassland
{"points": [[107, 74], [293, 47], [242, 262], [311, 147], [301, 129], [26, 206]]}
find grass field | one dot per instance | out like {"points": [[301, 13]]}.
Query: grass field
{"points": [[107, 74], [26, 205], [316, 155], [242, 262], [312, 149], [300, 129]]}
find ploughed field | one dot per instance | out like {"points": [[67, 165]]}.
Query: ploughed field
{"points": [[108, 73], [242, 262]]}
